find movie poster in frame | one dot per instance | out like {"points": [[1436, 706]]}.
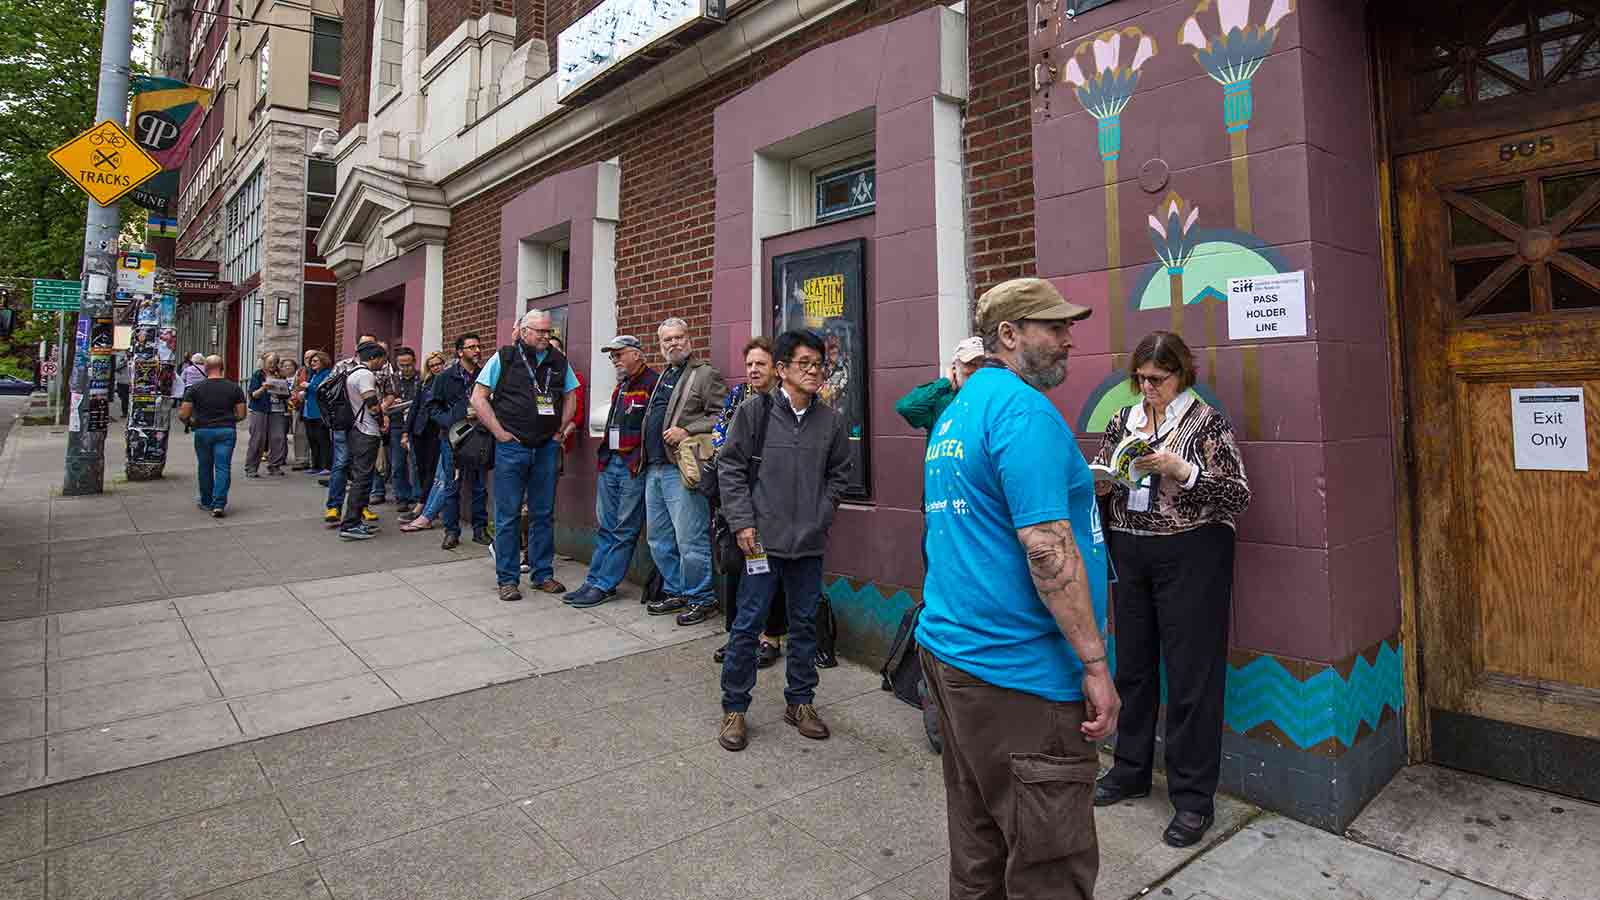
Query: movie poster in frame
{"points": [[824, 289]]}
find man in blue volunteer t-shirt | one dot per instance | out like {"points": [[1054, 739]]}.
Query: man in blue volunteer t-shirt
{"points": [[1015, 606]]}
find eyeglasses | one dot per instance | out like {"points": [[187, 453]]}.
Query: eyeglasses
{"points": [[814, 365], [466, 347], [1151, 380]]}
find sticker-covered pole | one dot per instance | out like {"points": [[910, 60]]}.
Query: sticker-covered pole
{"points": [[89, 388]]}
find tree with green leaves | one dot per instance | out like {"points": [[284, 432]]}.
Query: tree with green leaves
{"points": [[49, 74]]}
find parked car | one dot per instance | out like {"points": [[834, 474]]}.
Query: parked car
{"points": [[10, 385]]}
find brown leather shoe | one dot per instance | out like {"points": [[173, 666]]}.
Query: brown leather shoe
{"points": [[551, 586], [509, 593], [804, 717], [733, 736]]}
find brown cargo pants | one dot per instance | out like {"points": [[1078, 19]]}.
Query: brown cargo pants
{"points": [[1019, 784]]}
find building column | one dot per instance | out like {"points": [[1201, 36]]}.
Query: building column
{"points": [[432, 298]]}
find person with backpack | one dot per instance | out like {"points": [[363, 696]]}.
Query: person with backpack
{"points": [[330, 401], [619, 493], [526, 396], [781, 474], [448, 404], [759, 379], [364, 439]]}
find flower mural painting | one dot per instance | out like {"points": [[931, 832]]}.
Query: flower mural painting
{"points": [[1172, 234], [1104, 71]]}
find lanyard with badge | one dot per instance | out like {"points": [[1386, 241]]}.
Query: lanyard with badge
{"points": [[613, 430], [542, 398], [1139, 497]]}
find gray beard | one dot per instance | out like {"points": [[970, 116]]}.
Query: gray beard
{"points": [[1039, 370]]}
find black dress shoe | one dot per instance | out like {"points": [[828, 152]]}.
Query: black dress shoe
{"points": [[481, 536], [1108, 793], [666, 606], [767, 656], [694, 615], [451, 541], [1186, 829]]}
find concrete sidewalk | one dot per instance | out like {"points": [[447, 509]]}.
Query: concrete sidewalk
{"points": [[146, 540]]}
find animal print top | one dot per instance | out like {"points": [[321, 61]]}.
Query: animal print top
{"points": [[1220, 495]]}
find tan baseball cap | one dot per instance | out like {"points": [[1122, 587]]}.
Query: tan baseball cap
{"points": [[1026, 298], [969, 350]]}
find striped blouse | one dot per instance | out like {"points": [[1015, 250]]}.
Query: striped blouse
{"points": [[1220, 493]]}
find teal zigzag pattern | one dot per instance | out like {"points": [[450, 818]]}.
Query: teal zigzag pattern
{"points": [[1323, 706]]}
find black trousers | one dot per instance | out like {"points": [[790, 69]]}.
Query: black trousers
{"points": [[321, 441], [1172, 600], [425, 448], [364, 449]]}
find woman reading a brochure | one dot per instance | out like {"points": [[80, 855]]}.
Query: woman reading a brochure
{"points": [[1170, 469]]}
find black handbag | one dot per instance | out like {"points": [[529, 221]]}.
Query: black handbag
{"points": [[472, 445]]}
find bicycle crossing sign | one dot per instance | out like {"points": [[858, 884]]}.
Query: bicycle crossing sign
{"points": [[105, 162]]}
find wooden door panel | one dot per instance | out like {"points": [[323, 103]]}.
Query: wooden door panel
{"points": [[1536, 537]]}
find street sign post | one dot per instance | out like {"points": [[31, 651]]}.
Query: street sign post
{"points": [[105, 162], [49, 368], [53, 295]]}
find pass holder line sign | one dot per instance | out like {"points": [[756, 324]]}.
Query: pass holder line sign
{"points": [[105, 162]]}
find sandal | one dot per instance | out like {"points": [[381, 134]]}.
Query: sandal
{"points": [[412, 527]]}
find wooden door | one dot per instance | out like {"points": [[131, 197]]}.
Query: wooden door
{"points": [[1500, 289]]}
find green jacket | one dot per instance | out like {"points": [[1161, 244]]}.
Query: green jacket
{"points": [[925, 403]]}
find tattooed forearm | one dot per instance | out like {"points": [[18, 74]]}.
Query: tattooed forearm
{"points": [[1059, 577]]}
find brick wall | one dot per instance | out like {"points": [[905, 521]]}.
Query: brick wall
{"points": [[338, 321], [665, 237], [999, 143], [355, 63], [445, 15], [530, 20]]}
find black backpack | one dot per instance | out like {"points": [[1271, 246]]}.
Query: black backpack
{"points": [[902, 675], [334, 402]]}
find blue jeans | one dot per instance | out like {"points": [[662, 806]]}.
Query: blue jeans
{"points": [[802, 587], [619, 510], [446, 494], [213, 455], [525, 473], [680, 534], [405, 486], [341, 472]]}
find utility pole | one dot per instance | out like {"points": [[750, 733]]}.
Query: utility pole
{"points": [[90, 384]]}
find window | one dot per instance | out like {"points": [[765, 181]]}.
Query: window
{"points": [[1525, 247], [324, 96], [327, 39], [242, 241], [1487, 51], [321, 186], [846, 191], [263, 67]]}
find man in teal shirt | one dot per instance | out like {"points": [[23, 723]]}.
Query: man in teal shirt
{"points": [[1015, 604]]}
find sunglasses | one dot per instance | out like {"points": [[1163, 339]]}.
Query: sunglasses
{"points": [[1151, 380]]}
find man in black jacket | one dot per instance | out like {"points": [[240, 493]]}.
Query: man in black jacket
{"points": [[780, 482], [451, 391]]}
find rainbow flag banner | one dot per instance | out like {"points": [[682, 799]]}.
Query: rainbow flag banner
{"points": [[167, 115]]}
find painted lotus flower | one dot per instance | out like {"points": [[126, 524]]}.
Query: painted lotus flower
{"points": [[1235, 50], [1170, 231], [1103, 72], [1103, 82]]}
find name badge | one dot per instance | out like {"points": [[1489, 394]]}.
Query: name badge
{"points": [[546, 404], [614, 438], [1139, 499], [756, 563]]}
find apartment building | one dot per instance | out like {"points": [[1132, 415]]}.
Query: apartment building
{"points": [[252, 197]]}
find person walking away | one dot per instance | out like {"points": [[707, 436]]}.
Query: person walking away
{"points": [[403, 386], [190, 374], [1014, 609], [212, 410], [1172, 542], [280, 386], [759, 378], [683, 405], [318, 365], [619, 492], [525, 396], [365, 440], [449, 404], [421, 435], [782, 472], [260, 409], [124, 379]]}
